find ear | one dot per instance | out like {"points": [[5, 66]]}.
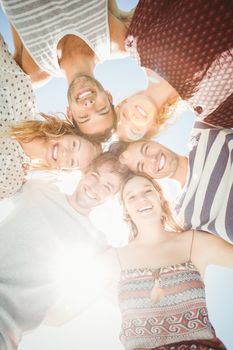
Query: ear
{"points": [[109, 96], [69, 115], [124, 157]]}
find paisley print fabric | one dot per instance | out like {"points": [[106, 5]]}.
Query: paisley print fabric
{"points": [[179, 315]]}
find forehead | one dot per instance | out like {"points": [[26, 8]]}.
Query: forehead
{"points": [[132, 98], [105, 169], [141, 148], [136, 183]]}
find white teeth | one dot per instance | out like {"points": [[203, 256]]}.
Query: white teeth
{"points": [[141, 111], [84, 94], [90, 195], [148, 207], [162, 162], [55, 148]]}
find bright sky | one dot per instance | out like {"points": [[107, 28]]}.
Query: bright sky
{"points": [[98, 327]]}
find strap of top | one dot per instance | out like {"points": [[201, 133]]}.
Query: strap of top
{"points": [[191, 246], [118, 257]]}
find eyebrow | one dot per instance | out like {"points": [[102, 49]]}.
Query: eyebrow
{"points": [[130, 192], [110, 185]]}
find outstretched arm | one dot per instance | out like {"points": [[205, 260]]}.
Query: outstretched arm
{"points": [[209, 249]]}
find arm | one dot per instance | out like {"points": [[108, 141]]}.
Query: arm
{"points": [[209, 249], [99, 277], [124, 16], [25, 61]]}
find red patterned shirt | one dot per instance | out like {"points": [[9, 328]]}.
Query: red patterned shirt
{"points": [[190, 44]]}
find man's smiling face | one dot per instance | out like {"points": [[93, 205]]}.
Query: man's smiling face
{"points": [[94, 188], [150, 158], [90, 106]]}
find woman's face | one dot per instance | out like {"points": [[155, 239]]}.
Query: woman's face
{"points": [[136, 116], [70, 152], [141, 200]]}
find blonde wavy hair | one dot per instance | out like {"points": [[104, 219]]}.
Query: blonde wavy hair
{"points": [[51, 127], [164, 116], [168, 219]]}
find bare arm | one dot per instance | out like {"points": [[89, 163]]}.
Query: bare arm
{"points": [[124, 16], [209, 249], [25, 61]]}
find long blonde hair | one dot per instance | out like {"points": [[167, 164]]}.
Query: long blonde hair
{"points": [[168, 219], [51, 127]]}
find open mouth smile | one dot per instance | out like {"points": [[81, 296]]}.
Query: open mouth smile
{"points": [[90, 194], [141, 111], [144, 209]]}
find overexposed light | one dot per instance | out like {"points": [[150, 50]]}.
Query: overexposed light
{"points": [[68, 181], [108, 218], [6, 207], [77, 273]]}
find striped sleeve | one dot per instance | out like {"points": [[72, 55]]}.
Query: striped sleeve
{"points": [[208, 197]]}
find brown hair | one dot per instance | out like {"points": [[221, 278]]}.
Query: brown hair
{"points": [[51, 127], [112, 161], [168, 219]]}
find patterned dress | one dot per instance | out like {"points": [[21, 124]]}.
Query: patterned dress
{"points": [[177, 320], [190, 44]]}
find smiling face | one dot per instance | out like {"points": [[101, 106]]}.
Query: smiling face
{"points": [[69, 151], [150, 158], [94, 188], [90, 106], [136, 115], [141, 200]]}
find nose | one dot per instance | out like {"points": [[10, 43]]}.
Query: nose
{"points": [[89, 102], [65, 158]]}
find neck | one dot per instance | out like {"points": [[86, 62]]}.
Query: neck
{"points": [[34, 149], [80, 64], [75, 57], [150, 232], [182, 171]]}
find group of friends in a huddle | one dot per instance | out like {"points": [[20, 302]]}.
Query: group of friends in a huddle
{"points": [[186, 48]]}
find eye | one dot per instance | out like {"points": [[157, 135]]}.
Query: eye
{"points": [[74, 144], [130, 198], [94, 175], [72, 163], [140, 167], [108, 188], [123, 116], [148, 191]]}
